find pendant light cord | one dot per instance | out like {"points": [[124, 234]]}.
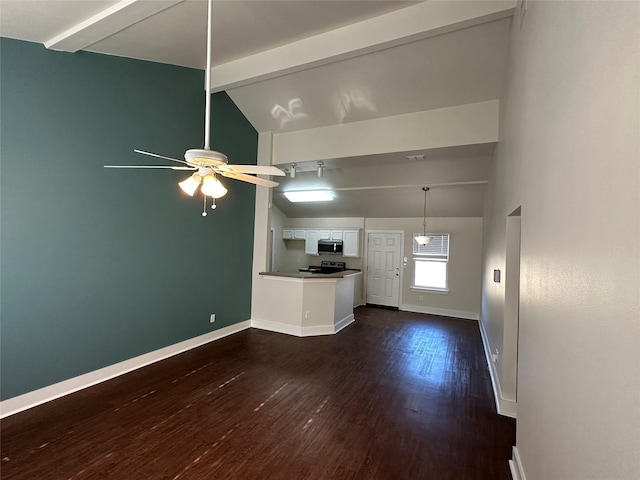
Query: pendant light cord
{"points": [[424, 222]]}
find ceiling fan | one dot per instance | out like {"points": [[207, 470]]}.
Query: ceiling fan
{"points": [[206, 162]]}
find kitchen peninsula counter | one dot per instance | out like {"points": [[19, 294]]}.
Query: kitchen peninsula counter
{"points": [[305, 303], [312, 275]]}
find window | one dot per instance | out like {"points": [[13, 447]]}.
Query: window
{"points": [[430, 263]]}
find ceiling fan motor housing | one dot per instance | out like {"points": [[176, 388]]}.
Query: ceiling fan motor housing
{"points": [[205, 158]]}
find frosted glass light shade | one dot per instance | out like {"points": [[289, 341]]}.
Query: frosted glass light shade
{"points": [[422, 239], [211, 186], [190, 185]]}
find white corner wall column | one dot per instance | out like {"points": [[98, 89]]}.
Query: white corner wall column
{"points": [[262, 222]]}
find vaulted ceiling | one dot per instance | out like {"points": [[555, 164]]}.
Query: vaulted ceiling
{"points": [[336, 70]]}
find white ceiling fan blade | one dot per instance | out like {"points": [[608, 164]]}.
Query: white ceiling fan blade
{"points": [[151, 166], [160, 156], [256, 169], [249, 179]]}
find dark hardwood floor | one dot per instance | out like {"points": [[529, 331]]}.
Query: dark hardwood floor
{"points": [[395, 395]]}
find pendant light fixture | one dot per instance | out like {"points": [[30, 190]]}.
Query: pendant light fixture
{"points": [[423, 239]]}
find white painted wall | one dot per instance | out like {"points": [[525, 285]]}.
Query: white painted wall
{"points": [[465, 252], [569, 153], [279, 246]]}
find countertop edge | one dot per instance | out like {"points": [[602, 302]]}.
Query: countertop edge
{"points": [[312, 276]]}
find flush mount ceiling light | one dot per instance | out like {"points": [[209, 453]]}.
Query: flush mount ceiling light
{"points": [[206, 162], [423, 239], [320, 169], [310, 196]]}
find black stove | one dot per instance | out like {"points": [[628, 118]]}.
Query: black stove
{"points": [[327, 266]]}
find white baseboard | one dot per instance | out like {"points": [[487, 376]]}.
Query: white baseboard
{"points": [[310, 331], [445, 312], [505, 407], [348, 320], [277, 327], [515, 465], [17, 404]]}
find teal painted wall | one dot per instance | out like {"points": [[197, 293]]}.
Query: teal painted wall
{"points": [[99, 265]]}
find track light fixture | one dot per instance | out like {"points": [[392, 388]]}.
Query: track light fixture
{"points": [[320, 169], [292, 172]]}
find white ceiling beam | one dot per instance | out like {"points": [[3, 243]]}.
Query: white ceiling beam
{"points": [[106, 23], [424, 20], [471, 124]]}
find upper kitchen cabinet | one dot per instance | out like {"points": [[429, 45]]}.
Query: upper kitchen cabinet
{"points": [[311, 244], [293, 234], [351, 243]]}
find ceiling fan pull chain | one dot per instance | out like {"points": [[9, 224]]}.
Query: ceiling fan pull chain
{"points": [[204, 206], [213, 203]]}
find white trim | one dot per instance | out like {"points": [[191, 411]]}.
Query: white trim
{"points": [[28, 400], [348, 320], [106, 23], [277, 327], [298, 331], [317, 330], [515, 465], [438, 291], [445, 312], [505, 407]]}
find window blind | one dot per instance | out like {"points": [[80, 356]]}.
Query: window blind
{"points": [[438, 247]]}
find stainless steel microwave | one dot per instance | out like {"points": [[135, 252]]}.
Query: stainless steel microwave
{"points": [[329, 247]]}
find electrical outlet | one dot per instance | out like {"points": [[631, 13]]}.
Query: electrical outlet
{"points": [[421, 297], [212, 318], [307, 314]]}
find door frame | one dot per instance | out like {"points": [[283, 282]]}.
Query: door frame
{"points": [[365, 262]]}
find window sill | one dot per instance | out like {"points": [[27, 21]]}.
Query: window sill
{"points": [[439, 291]]}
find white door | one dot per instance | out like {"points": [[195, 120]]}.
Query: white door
{"points": [[383, 268]]}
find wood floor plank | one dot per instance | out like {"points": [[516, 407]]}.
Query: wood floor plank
{"points": [[395, 395]]}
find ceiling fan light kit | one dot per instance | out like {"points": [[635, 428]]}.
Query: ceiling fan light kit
{"points": [[212, 187], [208, 162], [190, 184]]}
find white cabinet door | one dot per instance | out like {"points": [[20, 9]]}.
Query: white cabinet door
{"points": [[287, 234], [351, 243], [299, 234], [336, 234], [311, 242]]}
